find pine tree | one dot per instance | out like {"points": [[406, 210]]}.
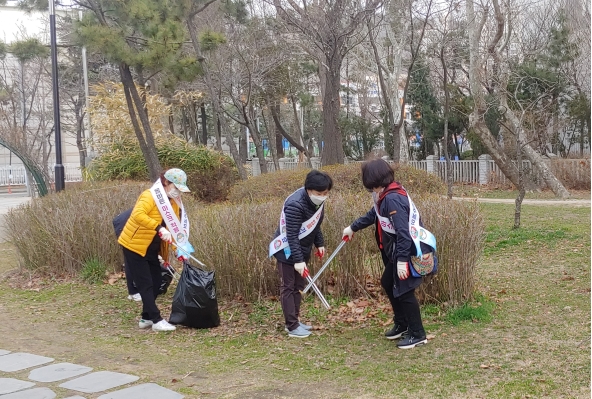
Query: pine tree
{"points": [[143, 38]]}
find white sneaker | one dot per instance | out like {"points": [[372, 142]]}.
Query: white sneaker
{"points": [[145, 323], [163, 325], [135, 297]]}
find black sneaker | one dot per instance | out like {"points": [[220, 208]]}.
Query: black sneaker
{"points": [[411, 342], [396, 332]]}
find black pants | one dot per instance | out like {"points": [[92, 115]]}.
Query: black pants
{"points": [[291, 283], [405, 307], [131, 287], [145, 273]]}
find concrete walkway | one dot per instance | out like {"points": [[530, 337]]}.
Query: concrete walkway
{"points": [[37, 375], [8, 201], [551, 202], [30, 376]]}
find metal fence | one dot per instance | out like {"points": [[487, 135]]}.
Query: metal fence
{"points": [[17, 174], [481, 171]]}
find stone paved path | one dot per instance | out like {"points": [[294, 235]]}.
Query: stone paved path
{"points": [[76, 380]]}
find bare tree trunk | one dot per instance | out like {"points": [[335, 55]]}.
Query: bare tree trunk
{"points": [[446, 112], [145, 138], [333, 149], [477, 116], [215, 100], [271, 139], [249, 116], [281, 130], [299, 130], [521, 190], [218, 135], [204, 124], [476, 119], [535, 159]]}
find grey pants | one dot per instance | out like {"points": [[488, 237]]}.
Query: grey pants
{"points": [[291, 283]]}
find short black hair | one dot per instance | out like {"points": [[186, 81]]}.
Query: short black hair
{"points": [[318, 181], [377, 173]]}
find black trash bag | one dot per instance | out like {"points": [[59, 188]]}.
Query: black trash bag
{"points": [[194, 303], [165, 281]]}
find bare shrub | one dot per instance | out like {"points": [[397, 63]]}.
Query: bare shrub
{"points": [[346, 178], [56, 235], [573, 173], [459, 228], [234, 240]]}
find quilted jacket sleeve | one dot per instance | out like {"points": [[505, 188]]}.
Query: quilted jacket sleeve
{"points": [[364, 221], [319, 240], [398, 210], [142, 209], [294, 221]]}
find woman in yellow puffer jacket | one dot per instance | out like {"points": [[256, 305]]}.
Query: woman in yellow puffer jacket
{"points": [[145, 236]]}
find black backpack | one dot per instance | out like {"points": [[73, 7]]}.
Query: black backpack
{"points": [[120, 220]]}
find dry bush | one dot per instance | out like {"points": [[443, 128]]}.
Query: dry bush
{"points": [[346, 179], [234, 240], [459, 228], [573, 173], [56, 234]]}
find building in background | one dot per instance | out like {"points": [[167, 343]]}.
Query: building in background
{"points": [[26, 112]]}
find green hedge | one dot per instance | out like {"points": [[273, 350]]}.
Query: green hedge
{"points": [[210, 174]]}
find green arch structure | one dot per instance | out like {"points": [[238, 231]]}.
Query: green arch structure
{"points": [[31, 167]]}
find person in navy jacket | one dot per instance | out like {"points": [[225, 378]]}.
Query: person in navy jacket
{"points": [[300, 228], [396, 248]]}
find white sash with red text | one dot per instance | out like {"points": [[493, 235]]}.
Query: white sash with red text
{"points": [[281, 241], [179, 230], [418, 234]]}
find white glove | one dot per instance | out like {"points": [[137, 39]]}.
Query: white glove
{"points": [[301, 268], [160, 260], [165, 235], [402, 270], [321, 251], [348, 232]]}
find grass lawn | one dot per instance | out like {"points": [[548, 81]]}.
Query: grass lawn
{"points": [[479, 191], [526, 335]]}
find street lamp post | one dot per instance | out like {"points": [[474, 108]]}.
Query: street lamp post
{"points": [[59, 168]]}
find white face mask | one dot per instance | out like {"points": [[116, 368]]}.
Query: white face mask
{"points": [[318, 199], [174, 193], [376, 195]]}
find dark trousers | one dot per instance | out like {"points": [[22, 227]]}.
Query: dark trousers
{"points": [[145, 273], [405, 307], [131, 287], [291, 283]]}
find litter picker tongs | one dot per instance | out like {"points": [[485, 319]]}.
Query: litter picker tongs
{"points": [[311, 280]]}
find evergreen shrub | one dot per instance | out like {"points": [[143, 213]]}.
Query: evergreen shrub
{"points": [[210, 174]]}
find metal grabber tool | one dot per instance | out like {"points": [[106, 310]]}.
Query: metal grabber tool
{"points": [[188, 254], [313, 279], [316, 289]]}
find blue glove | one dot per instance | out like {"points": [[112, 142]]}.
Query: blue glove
{"points": [[183, 251]]}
